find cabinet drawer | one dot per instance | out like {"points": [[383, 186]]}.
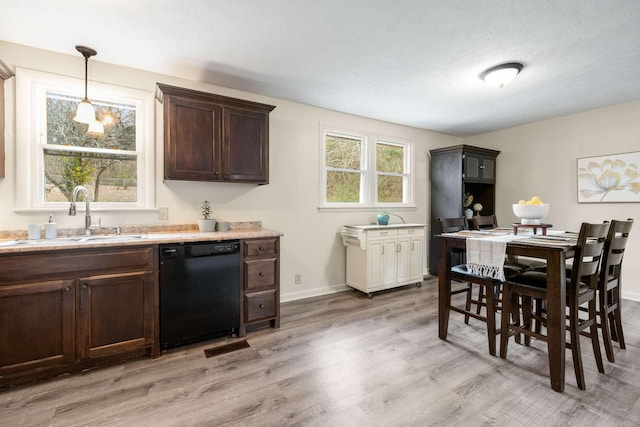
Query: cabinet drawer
{"points": [[260, 305], [411, 231], [260, 273], [260, 247], [382, 233]]}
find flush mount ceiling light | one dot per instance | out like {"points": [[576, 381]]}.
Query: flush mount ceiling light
{"points": [[502, 74], [85, 112]]}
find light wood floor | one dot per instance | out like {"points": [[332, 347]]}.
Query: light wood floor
{"points": [[344, 360]]}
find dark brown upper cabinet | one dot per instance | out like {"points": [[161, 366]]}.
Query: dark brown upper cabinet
{"points": [[210, 137]]}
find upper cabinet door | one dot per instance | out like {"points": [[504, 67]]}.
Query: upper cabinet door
{"points": [[210, 137], [245, 150], [479, 168], [192, 140]]}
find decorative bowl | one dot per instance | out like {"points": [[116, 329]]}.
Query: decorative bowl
{"points": [[531, 214]]}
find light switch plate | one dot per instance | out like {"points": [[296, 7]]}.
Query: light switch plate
{"points": [[163, 213]]}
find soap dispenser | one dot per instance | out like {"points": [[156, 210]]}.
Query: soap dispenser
{"points": [[50, 229]]}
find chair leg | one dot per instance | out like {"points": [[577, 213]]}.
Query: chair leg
{"points": [[593, 332], [504, 322], [575, 346], [617, 315], [515, 314], [480, 298], [491, 318], [606, 327], [467, 305], [526, 318]]}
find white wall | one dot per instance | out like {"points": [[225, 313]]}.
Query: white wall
{"points": [[310, 245], [541, 159]]}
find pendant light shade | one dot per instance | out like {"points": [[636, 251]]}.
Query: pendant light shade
{"points": [[502, 74], [85, 112]]}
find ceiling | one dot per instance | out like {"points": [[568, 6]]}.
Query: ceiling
{"points": [[412, 62]]}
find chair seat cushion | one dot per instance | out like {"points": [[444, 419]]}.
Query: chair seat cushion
{"points": [[524, 263], [538, 279]]}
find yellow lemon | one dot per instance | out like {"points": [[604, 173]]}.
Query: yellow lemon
{"points": [[522, 202]]}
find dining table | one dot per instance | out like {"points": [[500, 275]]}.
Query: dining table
{"points": [[555, 256]]}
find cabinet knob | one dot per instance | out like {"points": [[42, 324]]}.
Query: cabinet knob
{"points": [[261, 248], [261, 274], [85, 286], [67, 289], [261, 306]]}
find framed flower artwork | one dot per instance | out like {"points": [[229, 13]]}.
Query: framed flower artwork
{"points": [[609, 179]]}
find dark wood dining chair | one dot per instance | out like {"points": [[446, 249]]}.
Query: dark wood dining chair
{"points": [[487, 294], [581, 289], [610, 315], [482, 222], [452, 225]]}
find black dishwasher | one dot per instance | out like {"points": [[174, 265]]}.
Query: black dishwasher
{"points": [[199, 291]]}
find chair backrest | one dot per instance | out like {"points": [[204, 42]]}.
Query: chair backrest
{"points": [[451, 225], [589, 249], [614, 250], [486, 221]]}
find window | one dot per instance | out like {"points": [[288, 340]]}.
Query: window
{"points": [[116, 167], [356, 173]]}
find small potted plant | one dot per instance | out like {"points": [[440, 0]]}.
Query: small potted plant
{"points": [[206, 223]]}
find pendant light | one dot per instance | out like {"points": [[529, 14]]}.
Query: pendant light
{"points": [[502, 74], [85, 112]]}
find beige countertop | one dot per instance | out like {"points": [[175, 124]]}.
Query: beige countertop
{"points": [[145, 236]]}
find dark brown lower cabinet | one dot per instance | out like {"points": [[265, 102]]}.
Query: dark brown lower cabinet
{"points": [[261, 289], [63, 311], [115, 314], [37, 327]]}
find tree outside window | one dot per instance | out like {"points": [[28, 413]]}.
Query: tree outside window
{"points": [[356, 174], [105, 164]]}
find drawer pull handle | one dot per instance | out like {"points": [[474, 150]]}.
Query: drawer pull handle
{"points": [[67, 289], [85, 286], [261, 306], [261, 248], [261, 274]]}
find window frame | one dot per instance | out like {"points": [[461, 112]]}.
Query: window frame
{"points": [[369, 182], [31, 137]]}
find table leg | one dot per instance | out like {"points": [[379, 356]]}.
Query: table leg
{"points": [[444, 289], [556, 323]]}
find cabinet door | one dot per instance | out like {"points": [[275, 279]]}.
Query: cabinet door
{"points": [[115, 313], [479, 168], [417, 258], [404, 259], [192, 140], [37, 325], [390, 262], [245, 148], [376, 264]]}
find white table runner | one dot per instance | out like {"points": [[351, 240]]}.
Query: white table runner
{"points": [[485, 255]]}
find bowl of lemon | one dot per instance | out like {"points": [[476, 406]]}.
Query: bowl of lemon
{"points": [[531, 211]]}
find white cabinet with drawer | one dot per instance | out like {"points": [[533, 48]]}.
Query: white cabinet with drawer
{"points": [[383, 257]]}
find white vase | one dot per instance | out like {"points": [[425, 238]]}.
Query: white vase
{"points": [[207, 225]]}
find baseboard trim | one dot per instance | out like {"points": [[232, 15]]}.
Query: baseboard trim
{"points": [[316, 292]]}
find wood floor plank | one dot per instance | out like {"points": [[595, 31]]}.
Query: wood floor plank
{"points": [[344, 360]]}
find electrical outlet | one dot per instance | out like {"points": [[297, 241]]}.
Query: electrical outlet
{"points": [[163, 213], [298, 279]]}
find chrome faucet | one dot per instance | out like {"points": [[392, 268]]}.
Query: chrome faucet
{"points": [[72, 208]]}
